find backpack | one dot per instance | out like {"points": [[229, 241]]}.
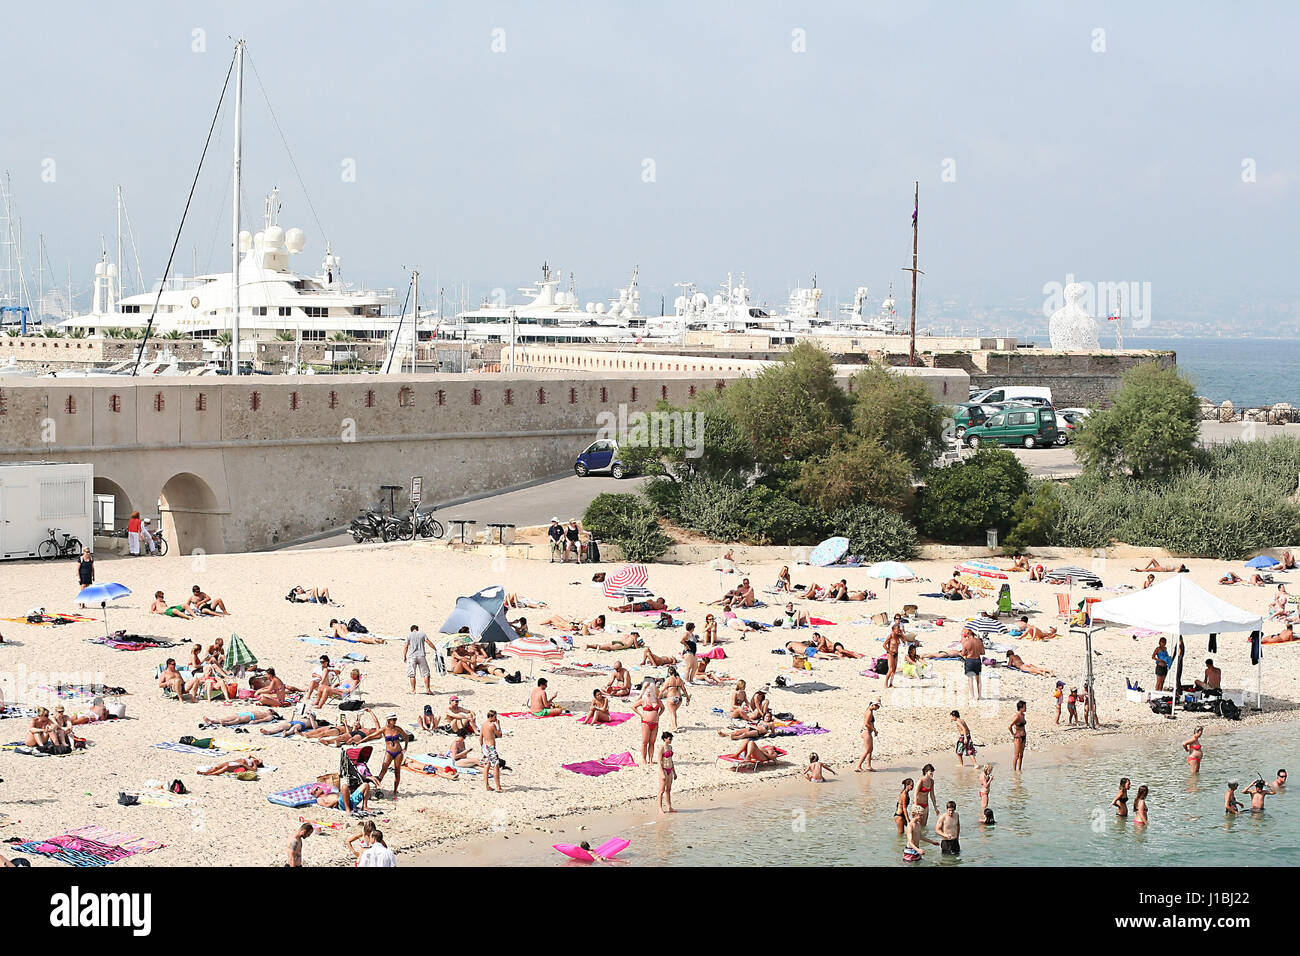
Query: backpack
{"points": [[1162, 706], [356, 627], [593, 550], [1229, 710], [881, 666]]}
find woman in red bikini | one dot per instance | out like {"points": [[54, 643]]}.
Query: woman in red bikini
{"points": [[925, 791], [1194, 750], [648, 707]]}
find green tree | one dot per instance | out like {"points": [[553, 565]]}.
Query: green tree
{"points": [[963, 500], [875, 534], [1150, 430], [857, 471], [629, 522], [790, 410], [897, 412], [174, 335], [1033, 518], [284, 335]]}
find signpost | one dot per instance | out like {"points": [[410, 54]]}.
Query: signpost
{"points": [[417, 492]]}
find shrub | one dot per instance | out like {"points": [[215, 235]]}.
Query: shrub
{"points": [[711, 506], [875, 534], [664, 494], [629, 522], [770, 517], [962, 500], [1150, 430], [859, 470], [896, 411], [1033, 517]]}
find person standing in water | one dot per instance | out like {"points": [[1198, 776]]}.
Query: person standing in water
{"points": [[948, 829], [925, 793], [664, 757], [1018, 735], [1258, 791], [916, 836], [1280, 782], [986, 784], [1231, 805], [1195, 752], [904, 798], [1120, 803], [965, 746], [1140, 806], [868, 737]]}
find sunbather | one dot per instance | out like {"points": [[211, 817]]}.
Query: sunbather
{"points": [[837, 649], [654, 660], [598, 712], [344, 691], [629, 643], [237, 765], [44, 730], [460, 751], [586, 628], [620, 682], [753, 753], [754, 731], [459, 718], [1018, 662], [358, 799], [1230, 577], [514, 600], [214, 677], [204, 604], [171, 679], [160, 606], [783, 580], [339, 629], [303, 721], [651, 604], [255, 716], [273, 692], [1018, 563], [300, 595], [1033, 633], [349, 735]]}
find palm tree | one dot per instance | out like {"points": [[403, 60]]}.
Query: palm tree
{"points": [[112, 332], [224, 338], [50, 332], [284, 335], [13, 332], [340, 337], [132, 334], [77, 334], [174, 334]]}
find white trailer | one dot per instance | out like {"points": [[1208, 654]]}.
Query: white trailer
{"points": [[37, 497]]}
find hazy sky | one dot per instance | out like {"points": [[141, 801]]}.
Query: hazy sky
{"points": [[477, 165]]}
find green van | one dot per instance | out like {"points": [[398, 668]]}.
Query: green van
{"points": [[1027, 425]]}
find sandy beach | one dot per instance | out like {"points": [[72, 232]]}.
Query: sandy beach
{"points": [[390, 587]]}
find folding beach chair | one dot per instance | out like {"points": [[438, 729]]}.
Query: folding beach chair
{"points": [[1063, 605], [1004, 600]]}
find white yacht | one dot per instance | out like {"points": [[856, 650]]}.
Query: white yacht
{"points": [[274, 298], [553, 315], [730, 310]]}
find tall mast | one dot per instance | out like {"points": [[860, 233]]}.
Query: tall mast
{"points": [[119, 239], [415, 317], [916, 210], [239, 160]]}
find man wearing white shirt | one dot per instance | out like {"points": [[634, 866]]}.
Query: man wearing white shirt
{"points": [[377, 854]]}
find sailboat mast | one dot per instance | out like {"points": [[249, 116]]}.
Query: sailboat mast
{"points": [[415, 317], [119, 240], [239, 161], [916, 213]]}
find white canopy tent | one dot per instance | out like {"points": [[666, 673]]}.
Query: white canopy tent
{"points": [[1182, 608]]}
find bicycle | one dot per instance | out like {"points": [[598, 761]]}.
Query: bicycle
{"points": [[159, 543], [51, 548]]}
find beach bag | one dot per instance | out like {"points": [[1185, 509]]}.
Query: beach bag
{"points": [[116, 710], [598, 577], [1229, 710], [350, 705], [880, 617], [177, 787], [1162, 706], [881, 666], [593, 551], [127, 799], [55, 750], [356, 627], [246, 775]]}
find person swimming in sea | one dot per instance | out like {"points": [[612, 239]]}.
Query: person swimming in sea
{"points": [[1258, 791], [1120, 803], [1231, 805]]}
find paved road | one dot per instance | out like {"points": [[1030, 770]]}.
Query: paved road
{"points": [[568, 496]]}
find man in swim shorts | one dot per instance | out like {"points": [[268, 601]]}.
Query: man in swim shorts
{"points": [[972, 652], [539, 704], [488, 736], [948, 828]]}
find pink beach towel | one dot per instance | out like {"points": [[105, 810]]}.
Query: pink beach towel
{"points": [[713, 654], [614, 720]]}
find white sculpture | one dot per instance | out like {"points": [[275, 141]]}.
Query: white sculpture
{"points": [[1071, 328]]}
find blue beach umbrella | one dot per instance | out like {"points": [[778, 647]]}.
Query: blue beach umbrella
{"points": [[1263, 561], [101, 594], [828, 552]]}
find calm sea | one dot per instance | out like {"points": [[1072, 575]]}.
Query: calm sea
{"points": [[1051, 813], [1247, 372]]}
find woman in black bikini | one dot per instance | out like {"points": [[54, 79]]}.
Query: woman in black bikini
{"points": [[1120, 803], [904, 798], [395, 740]]}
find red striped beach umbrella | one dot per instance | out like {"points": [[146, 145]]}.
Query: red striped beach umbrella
{"points": [[535, 649], [629, 577]]}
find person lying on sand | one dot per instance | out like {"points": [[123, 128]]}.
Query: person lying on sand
{"points": [[800, 647], [755, 731], [1018, 662], [1230, 578], [1281, 637], [652, 659], [358, 799], [1154, 565], [735, 622], [93, 714], [304, 720], [256, 716], [349, 735], [238, 765], [300, 595], [629, 643], [1032, 633], [653, 604], [586, 628], [160, 606], [515, 601], [620, 683], [339, 629], [1259, 580], [837, 649], [204, 604]]}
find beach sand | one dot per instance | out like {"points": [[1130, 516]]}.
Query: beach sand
{"points": [[390, 587]]}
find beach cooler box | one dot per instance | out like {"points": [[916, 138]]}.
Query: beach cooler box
{"points": [[1137, 696]]}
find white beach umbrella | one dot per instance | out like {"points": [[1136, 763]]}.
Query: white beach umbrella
{"points": [[890, 571]]}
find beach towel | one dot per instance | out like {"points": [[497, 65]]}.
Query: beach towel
{"points": [[52, 619], [130, 642], [799, 730], [187, 749], [589, 768], [713, 654], [229, 743], [90, 846], [299, 796], [315, 640], [614, 720], [809, 688], [525, 715], [820, 622]]}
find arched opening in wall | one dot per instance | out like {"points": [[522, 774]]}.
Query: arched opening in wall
{"points": [[121, 510], [190, 516]]}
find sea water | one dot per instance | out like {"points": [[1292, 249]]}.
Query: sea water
{"points": [[1248, 372], [1056, 812]]}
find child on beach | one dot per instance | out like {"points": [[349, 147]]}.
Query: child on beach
{"points": [[1071, 705], [986, 784], [813, 772], [1059, 694]]}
